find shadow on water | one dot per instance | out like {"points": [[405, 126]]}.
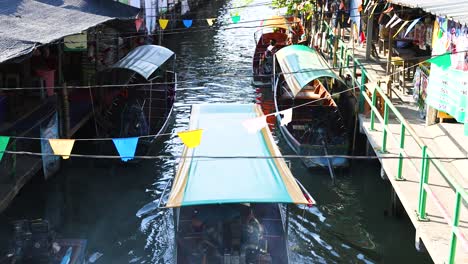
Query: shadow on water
{"points": [[115, 206]]}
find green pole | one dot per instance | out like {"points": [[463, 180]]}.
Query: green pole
{"points": [[385, 126], [456, 219], [423, 181], [362, 87], [400, 159], [372, 113]]}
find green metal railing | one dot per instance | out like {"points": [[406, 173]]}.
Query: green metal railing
{"points": [[342, 58]]}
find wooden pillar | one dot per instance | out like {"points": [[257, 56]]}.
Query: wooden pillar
{"points": [[369, 37], [390, 51]]}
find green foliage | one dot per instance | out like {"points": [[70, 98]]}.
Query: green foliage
{"points": [[237, 4], [306, 7]]}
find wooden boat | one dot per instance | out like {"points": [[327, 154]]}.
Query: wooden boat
{"points": [[229, 210], [140, 96], [303, 80], [285, 31], [35, 242]]}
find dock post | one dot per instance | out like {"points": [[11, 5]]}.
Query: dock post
{"points": [[385, 127], [456, 220], [400, 155], [372, 113], [423, 181]]}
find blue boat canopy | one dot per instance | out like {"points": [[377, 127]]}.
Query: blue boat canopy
{"points": [[145, 59], [232, 180], [301, 65]]}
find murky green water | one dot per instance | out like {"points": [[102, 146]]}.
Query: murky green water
{"points": [[113, 206]]}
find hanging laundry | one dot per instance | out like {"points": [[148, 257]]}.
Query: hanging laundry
{"points": [[287, 116], [184, 8], [191, 138], [62, 147], [126, 147], [150, 16], [253, 125], [3, 144]]}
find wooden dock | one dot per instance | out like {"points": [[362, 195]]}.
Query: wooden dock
{"points": [[442, 140], [444, 177]]}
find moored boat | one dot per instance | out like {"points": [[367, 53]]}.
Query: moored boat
{"points": [[304, 82], [141, 90], [284, 31], [229, 210], [34, 242]]}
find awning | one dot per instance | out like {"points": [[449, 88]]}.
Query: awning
{"points": [[455, 10], [145, 59], [301, 65], [26, 24], [240, 180], [276, 22]]}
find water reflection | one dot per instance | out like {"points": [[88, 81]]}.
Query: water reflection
{"points": [[115, 207]]}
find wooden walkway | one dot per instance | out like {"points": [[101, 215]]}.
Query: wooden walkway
{"points": [[443, 140]]}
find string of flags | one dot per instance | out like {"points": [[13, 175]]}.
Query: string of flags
{"points": [[126, 147], [163, 23]]}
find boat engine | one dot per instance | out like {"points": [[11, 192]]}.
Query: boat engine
{"points": [[32, 241]]}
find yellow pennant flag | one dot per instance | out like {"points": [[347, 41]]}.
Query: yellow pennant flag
{"points": [[191, 138], [163, 23], [210, 21], [62, 147], [401, 27]]}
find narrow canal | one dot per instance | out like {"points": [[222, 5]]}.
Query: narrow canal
{"points": [[114, 206]]}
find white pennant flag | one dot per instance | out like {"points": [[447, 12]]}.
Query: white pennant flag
{"points": [[253, 125], [287, 116], [391, 21], [396, 22]]}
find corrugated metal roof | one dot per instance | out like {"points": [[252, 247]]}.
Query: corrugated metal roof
{"points": [[145, 59], [455, 10], [24, 24]]}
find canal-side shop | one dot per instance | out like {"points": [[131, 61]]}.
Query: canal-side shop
{"points": [[48, 47]]}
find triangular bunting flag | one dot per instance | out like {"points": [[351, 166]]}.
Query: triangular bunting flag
{"points": [[401, 27], [210, 21], [126, 147], [443, 61], [253, 125], [373, 9], [138, 23], [191, 138], [62, 147], [187, 23], [394, 17], [396, 22], [235, 19], [411, 26], [388, 10], [163, 23], [287, 116], [3, 144]]}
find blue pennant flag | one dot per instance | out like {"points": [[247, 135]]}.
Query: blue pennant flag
{"points": [[126, 147], [187, 23]]}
